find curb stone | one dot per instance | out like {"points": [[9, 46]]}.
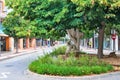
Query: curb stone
{"points": [[88, 77], [22, 53], [16, 55]]}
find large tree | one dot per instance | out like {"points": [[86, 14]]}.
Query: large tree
{"points": [[40, 13], [50, 15], [70, 16], [100, 13]]}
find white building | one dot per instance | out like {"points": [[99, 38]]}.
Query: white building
{"points": [[108, 42]]}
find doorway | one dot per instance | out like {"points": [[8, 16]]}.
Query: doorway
{"points": [[2, 44]]}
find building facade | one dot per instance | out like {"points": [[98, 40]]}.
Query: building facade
{"points": [[108, 44]]}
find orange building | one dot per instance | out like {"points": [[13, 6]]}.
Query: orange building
{"points": [[26, 43]]}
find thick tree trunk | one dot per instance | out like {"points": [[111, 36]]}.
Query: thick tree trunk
{"points": [[101, 40], [75, 36], [77, 48], [42, 42], [51, 42]]}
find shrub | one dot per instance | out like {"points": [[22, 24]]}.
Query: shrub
{"points": [[66, 70], [61, 51], [71, 66], [55, 65], [58, 51], [81, 52], [45, 59]]}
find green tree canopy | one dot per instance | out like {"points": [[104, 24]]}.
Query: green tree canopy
{"points": [[53, 17], [15, 26], [99, 14]]}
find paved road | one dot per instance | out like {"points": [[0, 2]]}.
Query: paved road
{"points": [[15, 69]]}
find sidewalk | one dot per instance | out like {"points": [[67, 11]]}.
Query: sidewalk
{"points": [[94, 51], [10, 54]]}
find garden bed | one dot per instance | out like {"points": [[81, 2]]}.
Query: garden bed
{"points": [[55, 64]]}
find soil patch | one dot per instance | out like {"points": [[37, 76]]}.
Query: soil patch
{"points": [[111, 59], [115, 61]]}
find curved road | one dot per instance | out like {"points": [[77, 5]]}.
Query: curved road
{"points": [[16, 69]]}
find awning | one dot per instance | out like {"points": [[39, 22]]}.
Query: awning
{"points": [[3, 35], [1, 31]]}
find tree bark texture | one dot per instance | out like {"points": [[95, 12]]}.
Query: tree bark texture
{"points": [[75, 36], [101, 40]]}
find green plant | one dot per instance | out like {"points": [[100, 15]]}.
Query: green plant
{"points": [[59, 51], [43, 68], [83, 65], [81, 52]]}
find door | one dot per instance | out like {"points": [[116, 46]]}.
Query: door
{"points": [[2, 44]]}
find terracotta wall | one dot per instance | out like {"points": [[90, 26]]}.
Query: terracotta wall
{"points": [[33, 42], [9, 44]]}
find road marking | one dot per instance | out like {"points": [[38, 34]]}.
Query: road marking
{"points": [[4, 74]]}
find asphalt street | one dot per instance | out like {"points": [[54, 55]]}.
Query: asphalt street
{"points": [[16, 69]]}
